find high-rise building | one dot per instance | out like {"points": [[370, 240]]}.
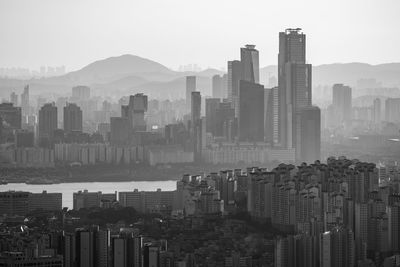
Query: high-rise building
{"points": [[308, 135], [92, 247], [337, 248], [81, 93], [14, 99], [195, 106], [251, 112], [134, 111], [225, 121], [234, 76], [377, 111], [190, 87], [25, 101], [47, 122], [294, 82], [24, 138], [250, 64], [392, 109], [45, 201], [126, 249], [11, 116], [212, 104], [217, 87], [72, 118], [120, 131], [341, 103]]}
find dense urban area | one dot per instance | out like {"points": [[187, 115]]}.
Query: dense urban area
{"points": [[268, 171]]}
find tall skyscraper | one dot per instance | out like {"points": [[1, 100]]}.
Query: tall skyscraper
{"points": [[294, 82], [234, 76], [190, 87], [251, 112], [308, 145], [72, 118], [11, 116], [377, 110], [250, 64], [341, 103], [217, 86], [195, 107], [14, 99], [47, 121], [127, 250], [25, 101], [212, 104]]}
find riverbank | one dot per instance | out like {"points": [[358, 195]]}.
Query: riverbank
{"points": [[107, 173]]}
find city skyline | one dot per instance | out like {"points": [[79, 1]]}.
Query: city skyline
{"points": [[52, 28]]}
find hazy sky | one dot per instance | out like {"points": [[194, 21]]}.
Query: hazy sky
{"points": [[75, 33]]}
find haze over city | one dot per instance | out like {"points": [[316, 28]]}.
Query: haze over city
{"points": [[177, 32], [199, 133]]}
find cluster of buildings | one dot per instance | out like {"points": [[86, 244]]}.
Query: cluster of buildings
{"points": [[280, 120], [340, 213]]}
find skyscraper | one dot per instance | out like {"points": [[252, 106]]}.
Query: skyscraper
{"points": [[92, 247], [377, 111], [234, 76], [251, 112], [195, 107], [250, 64], [14, 99], [341, 102], [308, 145], [217, 86], [72, 118], [135, 112], [212, 104], [392, 109], [294, 82], [47, 121], [190, 87], [25, 101]]}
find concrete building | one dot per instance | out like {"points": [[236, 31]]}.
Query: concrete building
{"points": [[342, 105], [212, 104], [190, 87], [73, 119], [47, 122], [14, 203], [45, 201], [251, 112], [308, 135], [392, 109], [234, 76], [81, 92], [250, 64]]}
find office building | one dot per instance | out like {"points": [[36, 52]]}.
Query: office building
{"points": [[80, 93], [212, 104], [250, 65], [251, 112], [342, 105], [72, 118], [294, 82], [25, 101], [22, 260], [47, 123], [190, 87], [308, 135], [226, 124], [234, 76], [195, 107]]}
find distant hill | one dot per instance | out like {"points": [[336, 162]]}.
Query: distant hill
{"points": [[129, 74]]}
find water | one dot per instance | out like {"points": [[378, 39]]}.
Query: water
{"points": [[67, 189]]}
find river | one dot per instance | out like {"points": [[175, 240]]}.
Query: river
{"points": [[67, 189]]}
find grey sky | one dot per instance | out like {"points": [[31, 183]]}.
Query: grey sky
{"points": [[207, 32]]}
